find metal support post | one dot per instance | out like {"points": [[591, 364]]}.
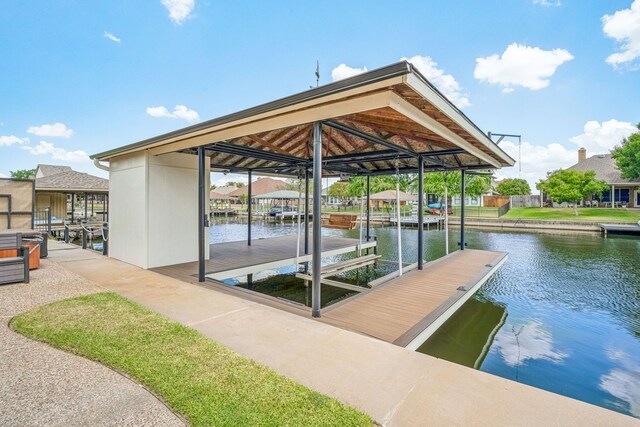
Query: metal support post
{"points": [[368, 208], [316, 264], [105, 238], [85, 206], [249, 212], [84, 236], [462, 202], [48, 220], [306, 211], [201, 213], [420, 213]]}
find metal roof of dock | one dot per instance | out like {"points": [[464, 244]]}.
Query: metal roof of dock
{"points": [[377, 122]]}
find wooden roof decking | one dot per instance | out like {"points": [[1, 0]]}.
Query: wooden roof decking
{"points": [[372, 123], [401, 309]]}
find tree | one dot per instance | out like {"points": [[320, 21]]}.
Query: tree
{"points": [[434, 183], [213, 187], [568, 186], [23, 173], [339, 190], [627, 156], [236, 184], [514, 187]]}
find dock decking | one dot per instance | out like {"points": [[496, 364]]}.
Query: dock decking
{"points": [[236, 258], [407, 310], [620, 229]]}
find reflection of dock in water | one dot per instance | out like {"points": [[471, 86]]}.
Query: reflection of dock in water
{"points": [[467, 336]]}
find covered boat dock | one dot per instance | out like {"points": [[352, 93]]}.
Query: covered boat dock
{"points": [[387, 121]]}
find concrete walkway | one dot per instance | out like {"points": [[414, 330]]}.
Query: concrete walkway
{"points": [[393, 385], [40, 385]]}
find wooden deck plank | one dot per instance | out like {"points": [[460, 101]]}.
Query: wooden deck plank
{"points": [[234, 255], [400, 308]]}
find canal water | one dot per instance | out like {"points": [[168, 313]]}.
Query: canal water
{"points": [[562, 314]]}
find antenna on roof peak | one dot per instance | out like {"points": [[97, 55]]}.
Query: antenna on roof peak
{"points": [[317, 72]]}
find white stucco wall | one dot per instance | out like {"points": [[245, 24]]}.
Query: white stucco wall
{"points": [[128, 209], [173, 209], [153, 209]]}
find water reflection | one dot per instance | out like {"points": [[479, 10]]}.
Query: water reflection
{"points": [[467, 345], [532, 340], [623, 381]]}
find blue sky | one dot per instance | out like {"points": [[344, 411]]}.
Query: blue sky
{"points": [[80, 77]]}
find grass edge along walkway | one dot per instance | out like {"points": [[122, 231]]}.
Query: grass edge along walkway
{"points": [[198, 378]]}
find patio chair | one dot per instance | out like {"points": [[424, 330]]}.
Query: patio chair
{"points": [[14, 268]]}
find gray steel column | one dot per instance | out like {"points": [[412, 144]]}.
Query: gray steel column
{"points": [[201, 213], [73, 204], [306, 211], [249, 210], [368, 207], [317, 219], [421, 213], [462, 199], [85, 206]]}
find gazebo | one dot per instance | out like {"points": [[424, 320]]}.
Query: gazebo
{"points": [[386, 121]]}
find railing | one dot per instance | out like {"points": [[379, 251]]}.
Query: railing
{"points": [[43, 220], [482, 211]]}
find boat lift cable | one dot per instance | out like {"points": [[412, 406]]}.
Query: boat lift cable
{"points": [[398, 221]]}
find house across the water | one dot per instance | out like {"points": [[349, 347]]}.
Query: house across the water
{"points": [[625, 192]]}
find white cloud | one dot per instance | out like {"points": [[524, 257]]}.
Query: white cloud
{"points": [[179, 112], [57, 153], [55, 130], [3, 175], [343, 71], [159, 112], [445, 83], [6, 141], [600, 138], [547, 3], [623, 381], [520, 65], [179, 10], [537, 160], [528, 341], [624, 27], [111, 37], [182, 112]]}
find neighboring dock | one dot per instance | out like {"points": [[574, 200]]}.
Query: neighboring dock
{"points": [[412, 221], [405, 311], [629, 229]]}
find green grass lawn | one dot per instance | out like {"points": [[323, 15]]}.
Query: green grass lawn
{"points": [[585, 214], [202, 380]]}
